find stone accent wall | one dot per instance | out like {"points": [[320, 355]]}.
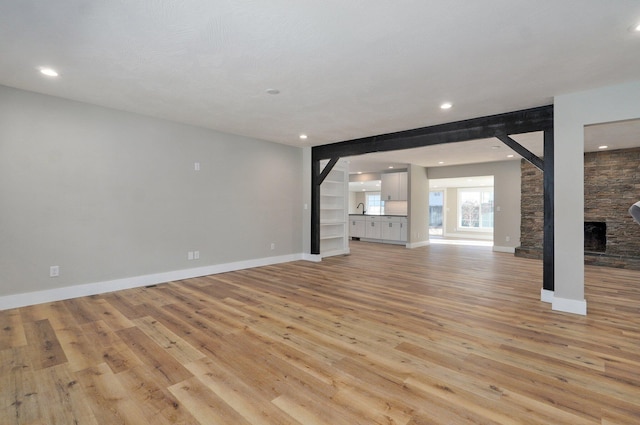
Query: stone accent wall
{"points": [[531, 211], [611, 186]]}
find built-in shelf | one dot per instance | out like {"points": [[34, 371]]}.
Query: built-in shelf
{"points": [[334, 195]]}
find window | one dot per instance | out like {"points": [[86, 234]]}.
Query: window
{"points": [[374, 204], [475, 209]]}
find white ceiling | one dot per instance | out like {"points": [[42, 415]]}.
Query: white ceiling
{"points": [[344, 69]]}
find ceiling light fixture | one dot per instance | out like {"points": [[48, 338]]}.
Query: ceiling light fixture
{"points": [[359, 172], [49, 72], [390, 166], [273, 91], [446, 105], [637, 28], [440, 162], [603, 147], [495, 147], [303, 137], [510, 156]]}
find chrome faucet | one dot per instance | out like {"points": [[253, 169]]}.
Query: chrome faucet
{"points": [[358, 206]]}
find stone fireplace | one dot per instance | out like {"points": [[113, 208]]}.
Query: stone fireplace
{"points": [[611, 186]]}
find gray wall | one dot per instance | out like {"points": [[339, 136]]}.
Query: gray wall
{"points": [[106, 194], [506, 194]]}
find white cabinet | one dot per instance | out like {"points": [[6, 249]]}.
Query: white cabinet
{"points": [[373, 227], [394, 186], [403, 230], [334, 195], [357, 226], [394, 229], [391, 230]]}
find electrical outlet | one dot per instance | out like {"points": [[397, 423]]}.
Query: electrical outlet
{"points": [[54, 271], [196, 166], [190, 255], [196, 255], [273, 246]]}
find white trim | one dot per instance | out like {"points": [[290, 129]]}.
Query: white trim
{"points": [[508, 249], [569, 306], [418, 244], [546, 295], [316, 258], [57, 294]]}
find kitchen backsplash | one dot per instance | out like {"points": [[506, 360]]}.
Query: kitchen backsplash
{"points": [[395, 207]]}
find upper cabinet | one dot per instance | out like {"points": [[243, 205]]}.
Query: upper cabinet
{"points": [[394, 187]]}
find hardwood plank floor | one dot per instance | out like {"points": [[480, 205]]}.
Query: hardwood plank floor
{"points": [[442, 334]]}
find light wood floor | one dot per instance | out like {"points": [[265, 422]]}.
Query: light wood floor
{"points": [[435, 335]]}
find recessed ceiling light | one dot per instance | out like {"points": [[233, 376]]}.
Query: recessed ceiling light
{"points": [[446, 105], [273, 91], [303, 137], [637, 28], [390, 166], [603, 147], [495, 147], [49, 72], [363, 190], [359, 172], [361, 182], [510, 156], [440, 162]]}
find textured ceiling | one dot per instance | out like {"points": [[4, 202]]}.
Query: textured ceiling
{"points": [[344, 69]]}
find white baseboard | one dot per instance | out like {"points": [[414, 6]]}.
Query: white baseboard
{"points": [[508, 249], [546, 295], [58, 294], [316, 258], [418, 244], [569, 306]]}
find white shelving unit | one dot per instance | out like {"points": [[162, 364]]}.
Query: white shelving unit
{"points": [[334, 214]]}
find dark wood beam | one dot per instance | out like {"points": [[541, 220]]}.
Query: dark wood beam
{"points": [[522, 151], [315, 207], [548, 252], [524, 121], [327, 170]]}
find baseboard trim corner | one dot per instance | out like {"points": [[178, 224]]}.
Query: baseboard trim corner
{"points": [[417, 244], [507, 249], [316, 258], [569, 306], [546, 295]]}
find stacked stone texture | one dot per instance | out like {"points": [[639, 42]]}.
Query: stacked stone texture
{"points": [[611, 186]]}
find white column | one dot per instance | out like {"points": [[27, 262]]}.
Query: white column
{"points": [[571, 113]]}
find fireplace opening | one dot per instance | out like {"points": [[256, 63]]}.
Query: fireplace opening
{"points": [[595, 236]]}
